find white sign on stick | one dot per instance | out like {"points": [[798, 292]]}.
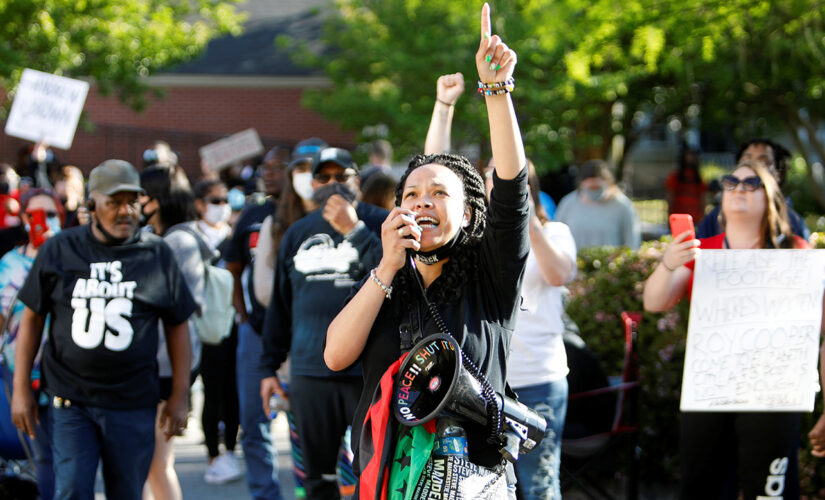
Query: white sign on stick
{"points": [[753, 334], [236, 147], [46, 108]]}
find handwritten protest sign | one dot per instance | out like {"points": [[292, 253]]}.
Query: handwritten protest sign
{"points": [[46, 108], [753, 334], [236, 147]]}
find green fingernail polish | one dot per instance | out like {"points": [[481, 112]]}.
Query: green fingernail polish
{"points": [[498, 67], [488, 58], [493, 67]]}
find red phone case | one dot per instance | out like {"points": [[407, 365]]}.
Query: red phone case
{"points": [[679, 223], [37, 227]]}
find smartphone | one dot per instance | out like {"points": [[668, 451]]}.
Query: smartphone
{"points": [[679, 223], [37, 227]]}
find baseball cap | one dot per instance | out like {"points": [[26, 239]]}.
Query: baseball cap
{"points": [[338, 156], [113, 176], [306, 150]]}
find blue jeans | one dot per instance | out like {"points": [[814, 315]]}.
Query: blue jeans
{"points": [[256, 439], [83, 435], [538, 471], [42, 453]]}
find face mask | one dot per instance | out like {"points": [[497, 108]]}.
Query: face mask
{"points": [[302, 185], [595, 194], [442, 252], [54, 224], [217, 213], [322, 193], [108, 237], [145, 216], [236, 199]]}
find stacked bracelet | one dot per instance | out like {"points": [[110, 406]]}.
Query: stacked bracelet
{"points": [[497, 88], [387, 289]]}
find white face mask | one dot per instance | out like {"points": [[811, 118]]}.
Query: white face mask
{"points": [[217, 213], [302, 184]]}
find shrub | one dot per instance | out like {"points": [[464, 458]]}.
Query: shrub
{"points": [[610, 281]]}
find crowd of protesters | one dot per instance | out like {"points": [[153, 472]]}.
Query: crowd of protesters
{"points": [[99, 285]]}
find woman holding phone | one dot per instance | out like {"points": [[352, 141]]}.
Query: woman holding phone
{"points": [[42, 214], [753, 447]]}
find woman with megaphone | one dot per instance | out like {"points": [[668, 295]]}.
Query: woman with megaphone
{"points": [[445, 245]]}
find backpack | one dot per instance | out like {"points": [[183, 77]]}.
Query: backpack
{"points": [[214, 320]]}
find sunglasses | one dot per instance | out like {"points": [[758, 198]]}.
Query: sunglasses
{"points": [[49, 213], [324, 178], [731, 182], [215, 200]]}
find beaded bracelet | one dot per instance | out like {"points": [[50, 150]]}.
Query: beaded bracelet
{"points": [[497, 88], [386, 289]]}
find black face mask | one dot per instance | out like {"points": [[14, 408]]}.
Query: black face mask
{"points": [[442, 252], [321, 194], [109, 238], [144, 217]]}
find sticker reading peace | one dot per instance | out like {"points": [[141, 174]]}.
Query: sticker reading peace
{"points": [[408, 400], [102, 305], [753, 333]]}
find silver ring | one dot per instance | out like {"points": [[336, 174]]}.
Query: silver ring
{"points": [[400, 231]]}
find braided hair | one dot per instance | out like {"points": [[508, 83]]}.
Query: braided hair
{"points": [[458, 270]]}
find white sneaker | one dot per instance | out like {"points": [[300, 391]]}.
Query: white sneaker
{"points": [[223, 469]]}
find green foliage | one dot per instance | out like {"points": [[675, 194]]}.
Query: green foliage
{"points": [[611, 280], [114, 42], [587, 70], [798, 187]]}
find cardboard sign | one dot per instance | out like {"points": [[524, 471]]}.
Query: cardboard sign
{"points": [[753, 334], [46, 108], [236, 147]]}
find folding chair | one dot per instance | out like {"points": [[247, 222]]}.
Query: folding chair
{"points": [[581, 453]]}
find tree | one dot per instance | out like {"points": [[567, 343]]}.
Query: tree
{"points": [[384, 57], [115, 43], [589, 70], [748, 66]]}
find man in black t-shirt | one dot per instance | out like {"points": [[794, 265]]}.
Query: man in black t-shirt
{"points": [[320, 258], [256, 440], [105, 286]]}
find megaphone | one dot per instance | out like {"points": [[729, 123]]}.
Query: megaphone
{"points": [[436, 380]]}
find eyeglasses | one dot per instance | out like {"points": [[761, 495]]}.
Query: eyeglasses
{"points": [[324, 178], [49, 213], [751, 183], [215, 200]]}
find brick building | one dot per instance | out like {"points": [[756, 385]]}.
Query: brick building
{"points": [[237, 83]]}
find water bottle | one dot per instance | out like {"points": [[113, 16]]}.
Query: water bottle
{"points": [[451, 439], [277, 403]]}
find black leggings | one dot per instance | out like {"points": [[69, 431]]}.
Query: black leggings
{"points": [[220, 393], [755, 453], [323, 409]]}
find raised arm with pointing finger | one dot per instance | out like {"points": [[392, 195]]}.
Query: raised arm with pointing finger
{"points": [[467, 255]]}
